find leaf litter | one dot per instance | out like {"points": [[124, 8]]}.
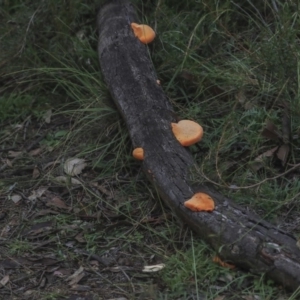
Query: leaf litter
{"points": [[57, 235]]}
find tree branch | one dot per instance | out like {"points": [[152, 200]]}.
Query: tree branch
{"points": [[239, 236]]}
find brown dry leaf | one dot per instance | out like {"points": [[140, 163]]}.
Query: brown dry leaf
{"points": [[56, 202], [219, 298], [153, 268], [14, 154], [74, 166], [76, 276], [10, 264], [187, 75], [270, 131], [80, 288], [8, 162], [258, 161], [240, 96], [64, 179], [298, 244], [283, 153], [80, 238], [35, 152], [4, 281], [102, 189], [268, 153], [61, 272], [35, 173], [40, 228], [51, 163], [16, 198], [5, 231], [286, 127], [29, 293], [47, 116], [37, 193]]}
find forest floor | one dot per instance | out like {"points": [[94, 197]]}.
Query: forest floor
{"points": [[78, 219]]}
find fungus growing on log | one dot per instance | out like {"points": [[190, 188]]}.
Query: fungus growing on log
{"points": [[187, 132], [138, 153], [222, 263], [143, 32], [235, 232], [200, 202]]}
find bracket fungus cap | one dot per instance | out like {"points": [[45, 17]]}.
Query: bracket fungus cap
{"points": [[187, 132], [143, 32], [200, 202], [138, 153], [222, 263]]}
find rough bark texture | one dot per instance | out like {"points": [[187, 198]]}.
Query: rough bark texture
{"points": [[239, 236]]}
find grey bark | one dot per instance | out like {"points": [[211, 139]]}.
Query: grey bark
{"points": [[238, 235]]}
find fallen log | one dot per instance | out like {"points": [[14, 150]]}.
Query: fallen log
{"points": [[239, 236]]}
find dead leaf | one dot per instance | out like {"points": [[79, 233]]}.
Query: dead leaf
{"points": [[64, 179], [250, 297], [51, 163], [80, 288], [74, 166], [76, 276], [283, 153], [16, 198], [47, 116], [42, 227], [35, 173], [268, 153], [270, 131], [56, 202], [14, 154], [81, 34], [5, 231], [4, 280], [219, 298], [298, 244], [240, 96], [37, 193], [28, 293], [258, 161], [35, 152], [102, 189], [153, 268], [61, 272], [286, 127], [8, 162], [80, 238]]}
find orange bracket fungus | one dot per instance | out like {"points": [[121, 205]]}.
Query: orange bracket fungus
{"points": [[200, 202], [143, 32], [222, 263], [138, 153], [187, 132]]}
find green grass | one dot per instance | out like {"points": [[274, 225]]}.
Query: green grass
{"points": [[231, 66]]}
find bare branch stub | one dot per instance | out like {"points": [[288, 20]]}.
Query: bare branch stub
{"points": [[239, 236]]}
